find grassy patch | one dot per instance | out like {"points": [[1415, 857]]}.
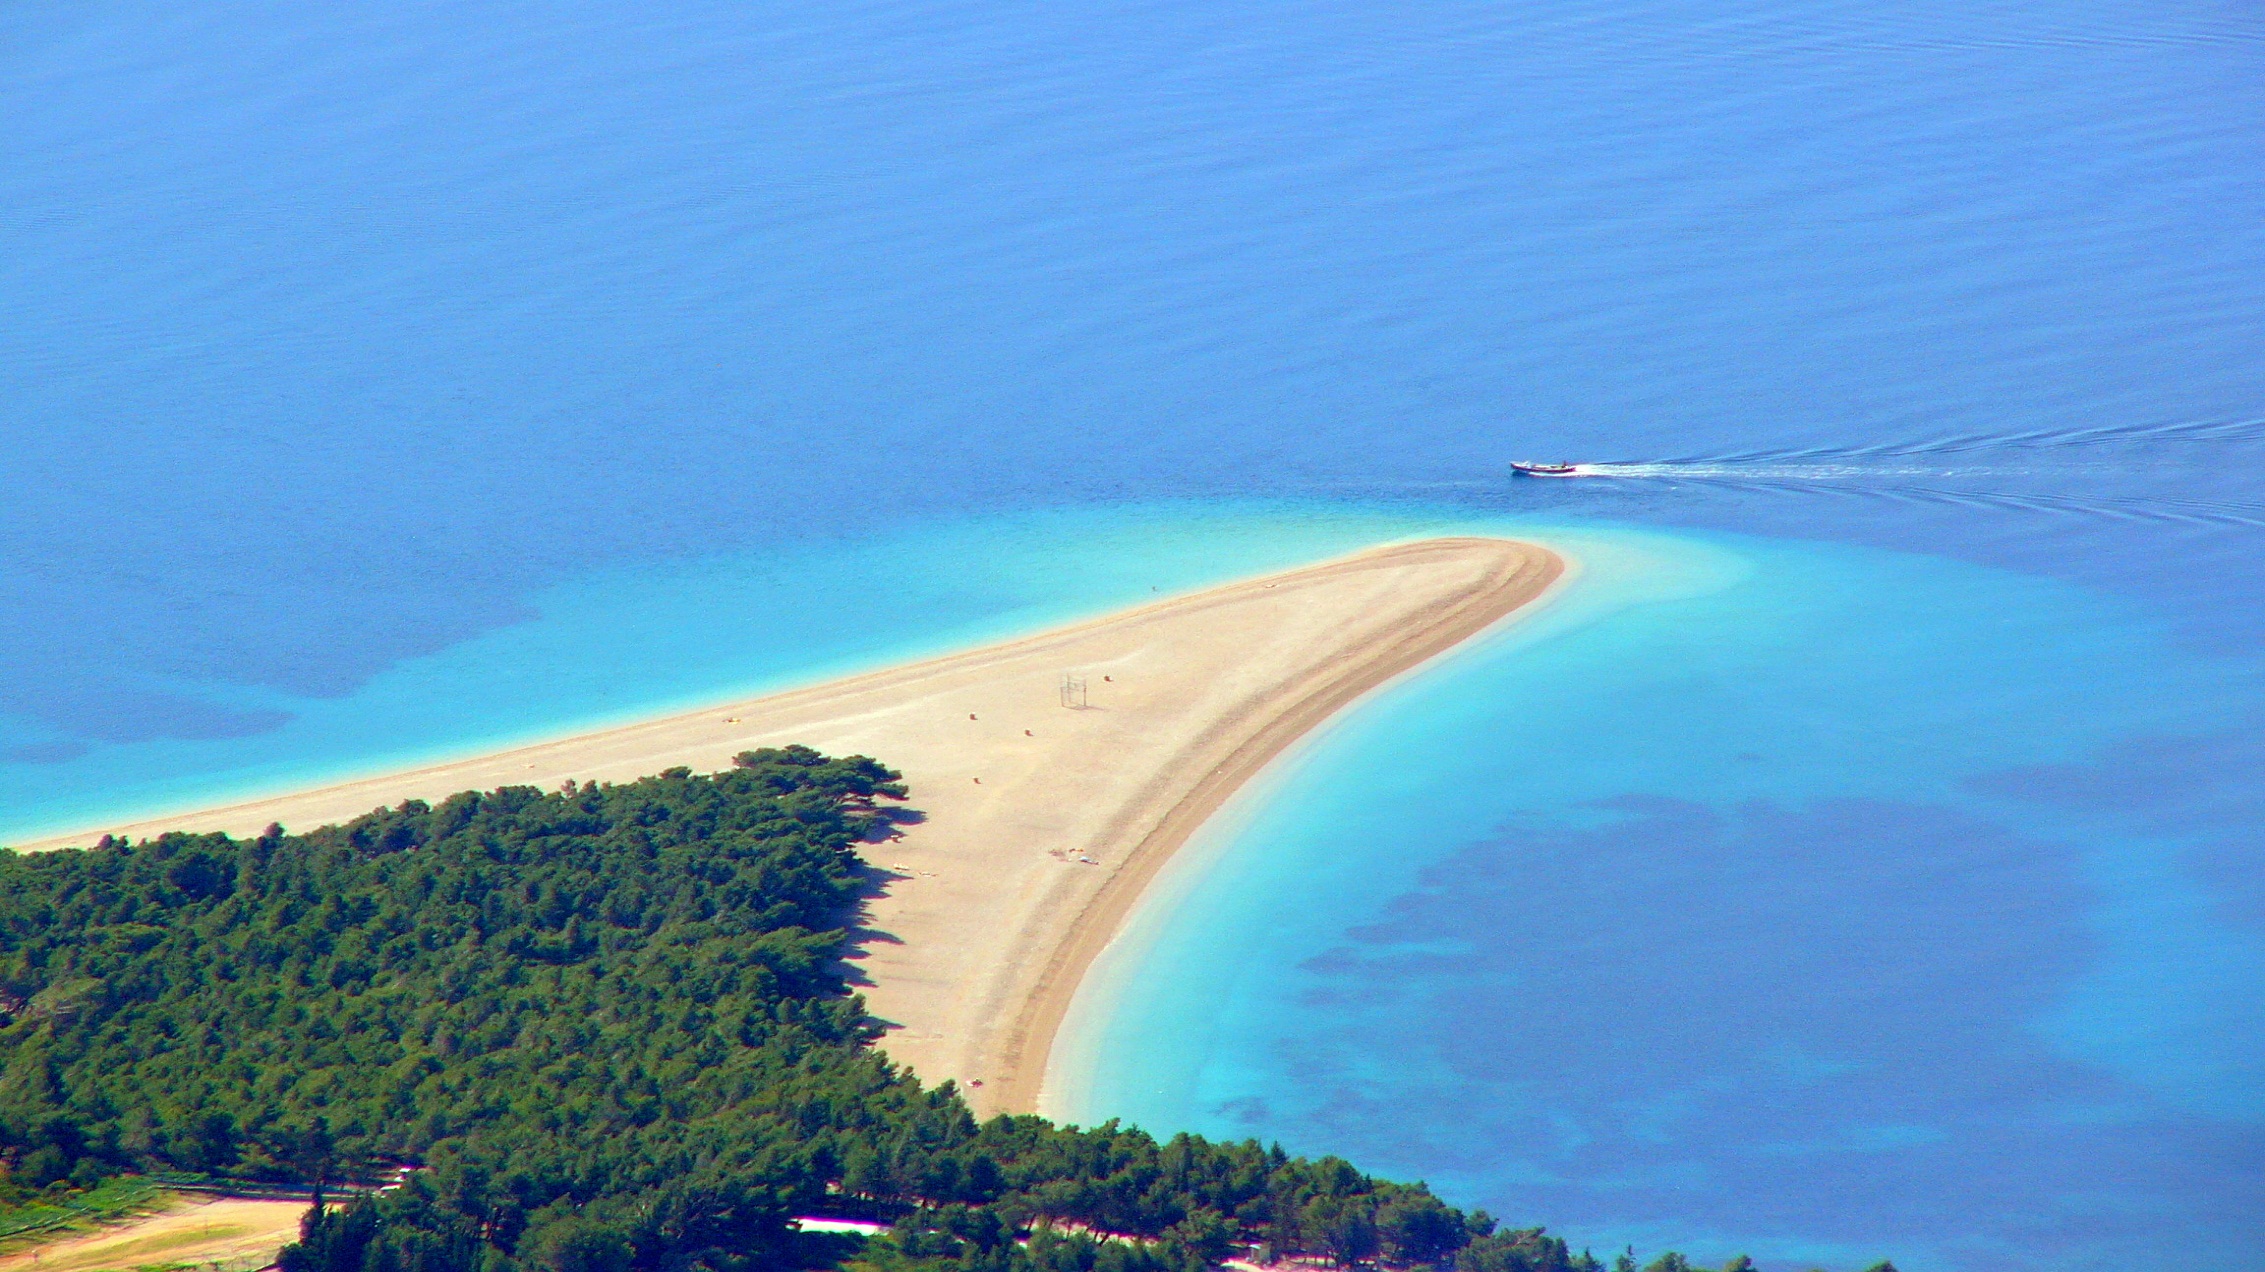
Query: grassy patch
{"points": [[241, 1263], [150, 1251], [43, 1216]]}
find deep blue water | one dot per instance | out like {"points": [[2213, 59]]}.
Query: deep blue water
{"points": [[380, 381]]}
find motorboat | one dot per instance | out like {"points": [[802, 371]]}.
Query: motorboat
{"points": [[1546, 470]]}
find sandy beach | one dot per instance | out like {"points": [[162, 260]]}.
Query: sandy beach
{"points": [[1047, 806]]}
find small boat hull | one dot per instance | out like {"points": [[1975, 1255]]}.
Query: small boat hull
{"points": [[1546, 470]]}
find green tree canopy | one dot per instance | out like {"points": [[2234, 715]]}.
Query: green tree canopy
{"points": [[608, 1026]]}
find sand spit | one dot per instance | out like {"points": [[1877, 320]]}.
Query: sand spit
{"points": [[1048, 805]]}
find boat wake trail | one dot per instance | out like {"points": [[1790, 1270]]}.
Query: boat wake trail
{"points": [[2177, 435], [2160, 472], [1751, 470], [2193, 512]]}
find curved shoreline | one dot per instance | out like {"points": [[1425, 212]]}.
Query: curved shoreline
{"points": [[1045, 818], [1030, 1040]]}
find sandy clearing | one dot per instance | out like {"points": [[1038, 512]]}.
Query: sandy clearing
{"points": [[1043, 821], [234, 1235]]}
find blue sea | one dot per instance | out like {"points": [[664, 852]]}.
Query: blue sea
{"points": [[1864, 856]]}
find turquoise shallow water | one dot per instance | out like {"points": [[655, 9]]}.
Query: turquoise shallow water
{"points": [[1862, 861], [1745, 873], [631, 642]]}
